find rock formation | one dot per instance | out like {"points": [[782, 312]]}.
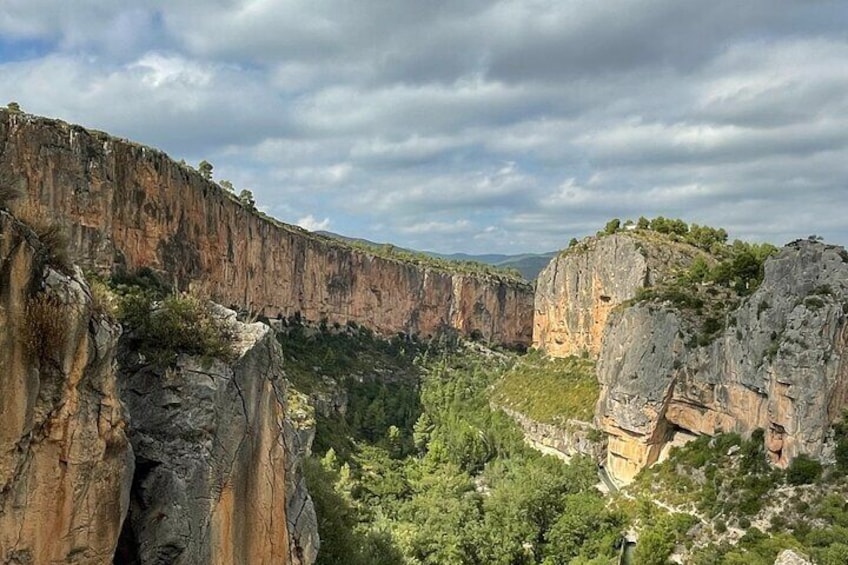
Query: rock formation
{"points": [[131, 206], [218, 478], [581, 286], [563, 441], [780, 365], [65, 462]]}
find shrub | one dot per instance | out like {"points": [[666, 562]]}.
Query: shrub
{"points": [[103, 301], [179, 324], [45, 327], [55, 242], [803, 470], [814, 303]]}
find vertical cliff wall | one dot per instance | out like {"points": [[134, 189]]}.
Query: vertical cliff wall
{"points": [[65, 461], [581, 286], [781, 364], [131, 206], [218, 477]]}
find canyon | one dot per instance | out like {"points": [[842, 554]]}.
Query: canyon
{"points": [[105, 453]]}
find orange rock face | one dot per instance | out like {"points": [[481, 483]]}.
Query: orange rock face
{"points": [[130, 206], [578, 290], [65, 462]]}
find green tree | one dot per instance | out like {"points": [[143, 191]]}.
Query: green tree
{"points": [[205, 169], [803, 470], [612, 226], [227, 185], [246, 198], [643, 223], [14, 107]]}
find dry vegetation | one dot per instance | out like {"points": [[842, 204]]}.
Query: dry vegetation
{"points": [[45, 327]]}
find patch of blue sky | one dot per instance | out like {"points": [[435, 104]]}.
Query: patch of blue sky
{"points": [[13, 50]]}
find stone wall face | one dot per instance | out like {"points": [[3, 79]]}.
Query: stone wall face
{"points": [[781, 365], [65, 461], [130, 206]]}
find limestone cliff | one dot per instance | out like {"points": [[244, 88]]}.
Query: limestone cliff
{"points": [[563, 441], [218, 477], [780, 365], [131, 206], [65, 462], [579, 288]]}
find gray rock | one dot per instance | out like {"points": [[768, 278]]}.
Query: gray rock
{"points": [[778, 366], [218, 477], [789, 557]]}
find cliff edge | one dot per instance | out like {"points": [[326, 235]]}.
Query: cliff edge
{"points": [[779, 364], [581, 286], [127, 206]]}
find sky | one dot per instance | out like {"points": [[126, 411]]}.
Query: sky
{"points": [[465, 125]]}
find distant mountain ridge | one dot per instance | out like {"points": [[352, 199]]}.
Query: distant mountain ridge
{"points": [[528, 264]]}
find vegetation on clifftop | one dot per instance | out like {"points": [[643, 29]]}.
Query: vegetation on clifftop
{"points": [[547, 389]]}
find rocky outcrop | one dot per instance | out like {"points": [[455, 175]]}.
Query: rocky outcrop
{"points": [[65, 462], [218, 459], [780, 365], [131, 206], [563, 441], [578, 290], [789, 557]]}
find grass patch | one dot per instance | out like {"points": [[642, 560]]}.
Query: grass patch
{"points": [[549, 390]]}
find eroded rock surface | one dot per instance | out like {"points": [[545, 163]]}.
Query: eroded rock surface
{"points": [[65, 461], [581, 286], [780, 365], [218, 477], [131, 206], [563, 441]]}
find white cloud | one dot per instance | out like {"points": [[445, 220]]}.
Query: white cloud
{"points": [[310, 223], [468, 125]]}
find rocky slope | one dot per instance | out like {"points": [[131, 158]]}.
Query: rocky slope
{"points": [[131, 206], [218, 477], [65, 461], [779, 364], [581, 286]]}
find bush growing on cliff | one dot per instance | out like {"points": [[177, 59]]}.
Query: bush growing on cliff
{"points": [[45, 326], [178, 323], [55, 251]]}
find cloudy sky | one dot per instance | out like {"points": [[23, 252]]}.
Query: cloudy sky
{"points": [[467, 125]]}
